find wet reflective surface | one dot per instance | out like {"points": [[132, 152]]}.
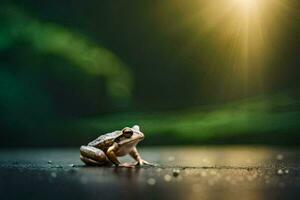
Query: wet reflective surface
{"points": [[234, 172]]}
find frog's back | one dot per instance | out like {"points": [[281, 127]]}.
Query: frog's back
{"points": [[105, 141]]}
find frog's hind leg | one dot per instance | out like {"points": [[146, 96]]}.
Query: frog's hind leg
{"points": [[93, 156]]}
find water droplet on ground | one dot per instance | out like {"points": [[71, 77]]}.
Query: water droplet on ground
{"points": [[53, 175], [151, 181], [176, 172], [279, 157], [167, 178], [280, 172], [158, 170]]}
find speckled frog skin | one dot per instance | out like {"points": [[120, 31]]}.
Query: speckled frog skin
{"points": [[108, 147]]}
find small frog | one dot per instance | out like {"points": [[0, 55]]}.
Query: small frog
{"points": [[106, 148]]}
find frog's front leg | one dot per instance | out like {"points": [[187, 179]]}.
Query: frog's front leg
{"points": [[93, 156], [111, 154], [136, 156]]}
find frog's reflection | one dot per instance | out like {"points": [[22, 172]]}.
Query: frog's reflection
{"points": [[127, 173]]}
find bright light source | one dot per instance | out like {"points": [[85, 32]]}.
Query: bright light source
{"points": [[243, 32], [246, 4]]}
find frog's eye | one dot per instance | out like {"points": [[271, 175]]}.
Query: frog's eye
{"points": [[127, 132]]}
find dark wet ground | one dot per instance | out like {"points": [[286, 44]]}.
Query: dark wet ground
{"points": [[183, 173]]}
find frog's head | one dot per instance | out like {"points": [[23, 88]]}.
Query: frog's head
{"points": [[131, 136]]}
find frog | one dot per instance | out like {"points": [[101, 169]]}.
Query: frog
{"points": [[106, 149]]}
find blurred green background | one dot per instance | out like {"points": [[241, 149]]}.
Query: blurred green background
{"points": [[188, 72]]}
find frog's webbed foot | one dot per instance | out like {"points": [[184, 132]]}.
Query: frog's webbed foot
{"points": [[142, 162], [137, 163], [127, 165]]}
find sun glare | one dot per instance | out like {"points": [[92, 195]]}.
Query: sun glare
{"points": [[243, 31], [247, 4]]}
